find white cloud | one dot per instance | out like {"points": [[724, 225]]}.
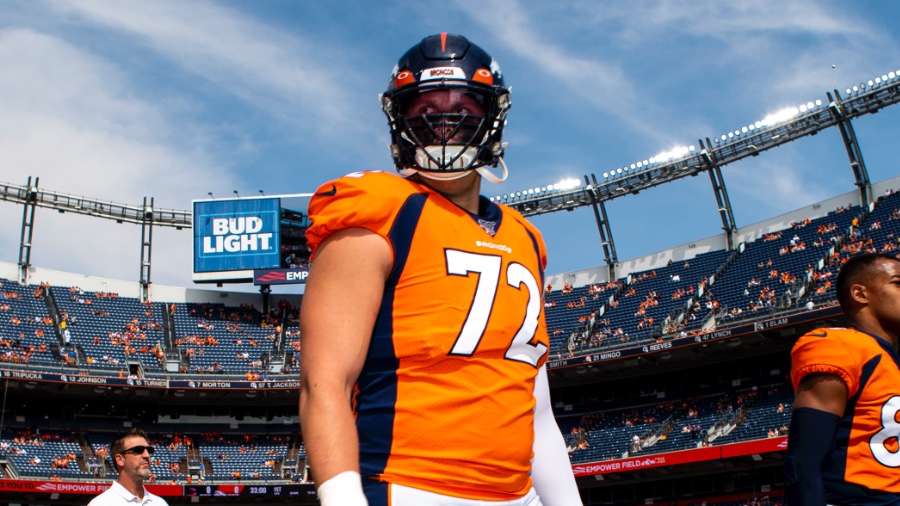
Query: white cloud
{"points": [[724, 20], [784, 48], [69, 118], [760, 52], [294, 80], [593, 78]]}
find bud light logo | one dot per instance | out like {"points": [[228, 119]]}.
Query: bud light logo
{"points": [[234, 235], [237, 234]]}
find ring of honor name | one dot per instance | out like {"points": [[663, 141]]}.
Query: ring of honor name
{"points": [[54, 377]]}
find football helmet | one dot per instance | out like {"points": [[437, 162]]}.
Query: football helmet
{"points": [[447, 145]]}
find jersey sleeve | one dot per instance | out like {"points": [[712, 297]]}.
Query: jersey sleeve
{"points": [[826, 351], [365, 200]]}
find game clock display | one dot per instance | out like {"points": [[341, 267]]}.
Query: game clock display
{"points": [[250, 490]]}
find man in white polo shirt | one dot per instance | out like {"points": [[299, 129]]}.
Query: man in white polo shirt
{"points": [[131, 455]]}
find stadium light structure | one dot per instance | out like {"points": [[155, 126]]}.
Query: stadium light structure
{"points": [[772, 131], [558, 195], [67, 203]]}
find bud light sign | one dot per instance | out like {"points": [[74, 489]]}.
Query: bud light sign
{"points": [[231, 235]]}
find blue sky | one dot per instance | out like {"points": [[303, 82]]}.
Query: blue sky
{"points": [[118, 100]]}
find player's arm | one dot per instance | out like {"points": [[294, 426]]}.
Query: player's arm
{"points": [[818, 408], [551, 472], [340, 304]]}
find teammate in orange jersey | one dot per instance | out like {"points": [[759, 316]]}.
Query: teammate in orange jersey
{"points": [[424, 341], [843, 439]]}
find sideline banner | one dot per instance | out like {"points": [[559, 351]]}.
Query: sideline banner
{"points": [[682, 457], [81, 488]]}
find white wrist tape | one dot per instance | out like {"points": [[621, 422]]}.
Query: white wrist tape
{"points": [[345, 489]]}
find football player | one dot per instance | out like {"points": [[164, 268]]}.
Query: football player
{"points": [[843, 438], [424, 341]]}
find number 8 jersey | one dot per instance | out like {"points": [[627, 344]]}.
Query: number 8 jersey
{"points": [[445, 400], [866, 453]]}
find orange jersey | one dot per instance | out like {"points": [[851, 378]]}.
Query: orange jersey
{"points": [[866, 452], [445, 401]]}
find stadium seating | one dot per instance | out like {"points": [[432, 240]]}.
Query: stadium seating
{"points": [[632, 313], [26, 334], [878, 232], [684, 424], [109, 334], [110, 331], [775, 272], [84, 454], [758, 282], [220, 339], [44, 453], [246, 456], [640, 308]]}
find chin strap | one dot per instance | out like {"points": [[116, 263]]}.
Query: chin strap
{"points": [[504, 172], [450, 176], [435, 176]]}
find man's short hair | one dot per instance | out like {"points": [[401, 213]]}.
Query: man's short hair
{"points": [[857, 269], [118, 444]]}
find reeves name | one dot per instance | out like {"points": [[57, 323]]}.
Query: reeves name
{"points": [[237, 234], [661, 346]]}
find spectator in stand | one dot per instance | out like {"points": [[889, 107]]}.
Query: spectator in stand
{"points": [[131, 456], [843, 431]]}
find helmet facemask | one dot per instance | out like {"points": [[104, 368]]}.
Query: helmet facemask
{"points": [[445, 145]]}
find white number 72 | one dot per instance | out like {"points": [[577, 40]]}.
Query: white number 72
{"points": [[487, 268]]}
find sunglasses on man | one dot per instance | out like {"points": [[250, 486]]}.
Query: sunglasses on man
{"points": [[138, 450]]}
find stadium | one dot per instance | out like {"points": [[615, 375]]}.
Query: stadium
{"points": [[668, 371]]}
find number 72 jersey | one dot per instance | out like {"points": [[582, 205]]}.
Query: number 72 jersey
{"points": [[445, 401], [867, 450]]}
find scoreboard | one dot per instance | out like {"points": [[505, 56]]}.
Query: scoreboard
{"points": [[250, 239], [261, 490]]}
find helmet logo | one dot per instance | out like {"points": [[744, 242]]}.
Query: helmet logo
{"points": [[404, 78], [483, 76], [443, 73]]}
